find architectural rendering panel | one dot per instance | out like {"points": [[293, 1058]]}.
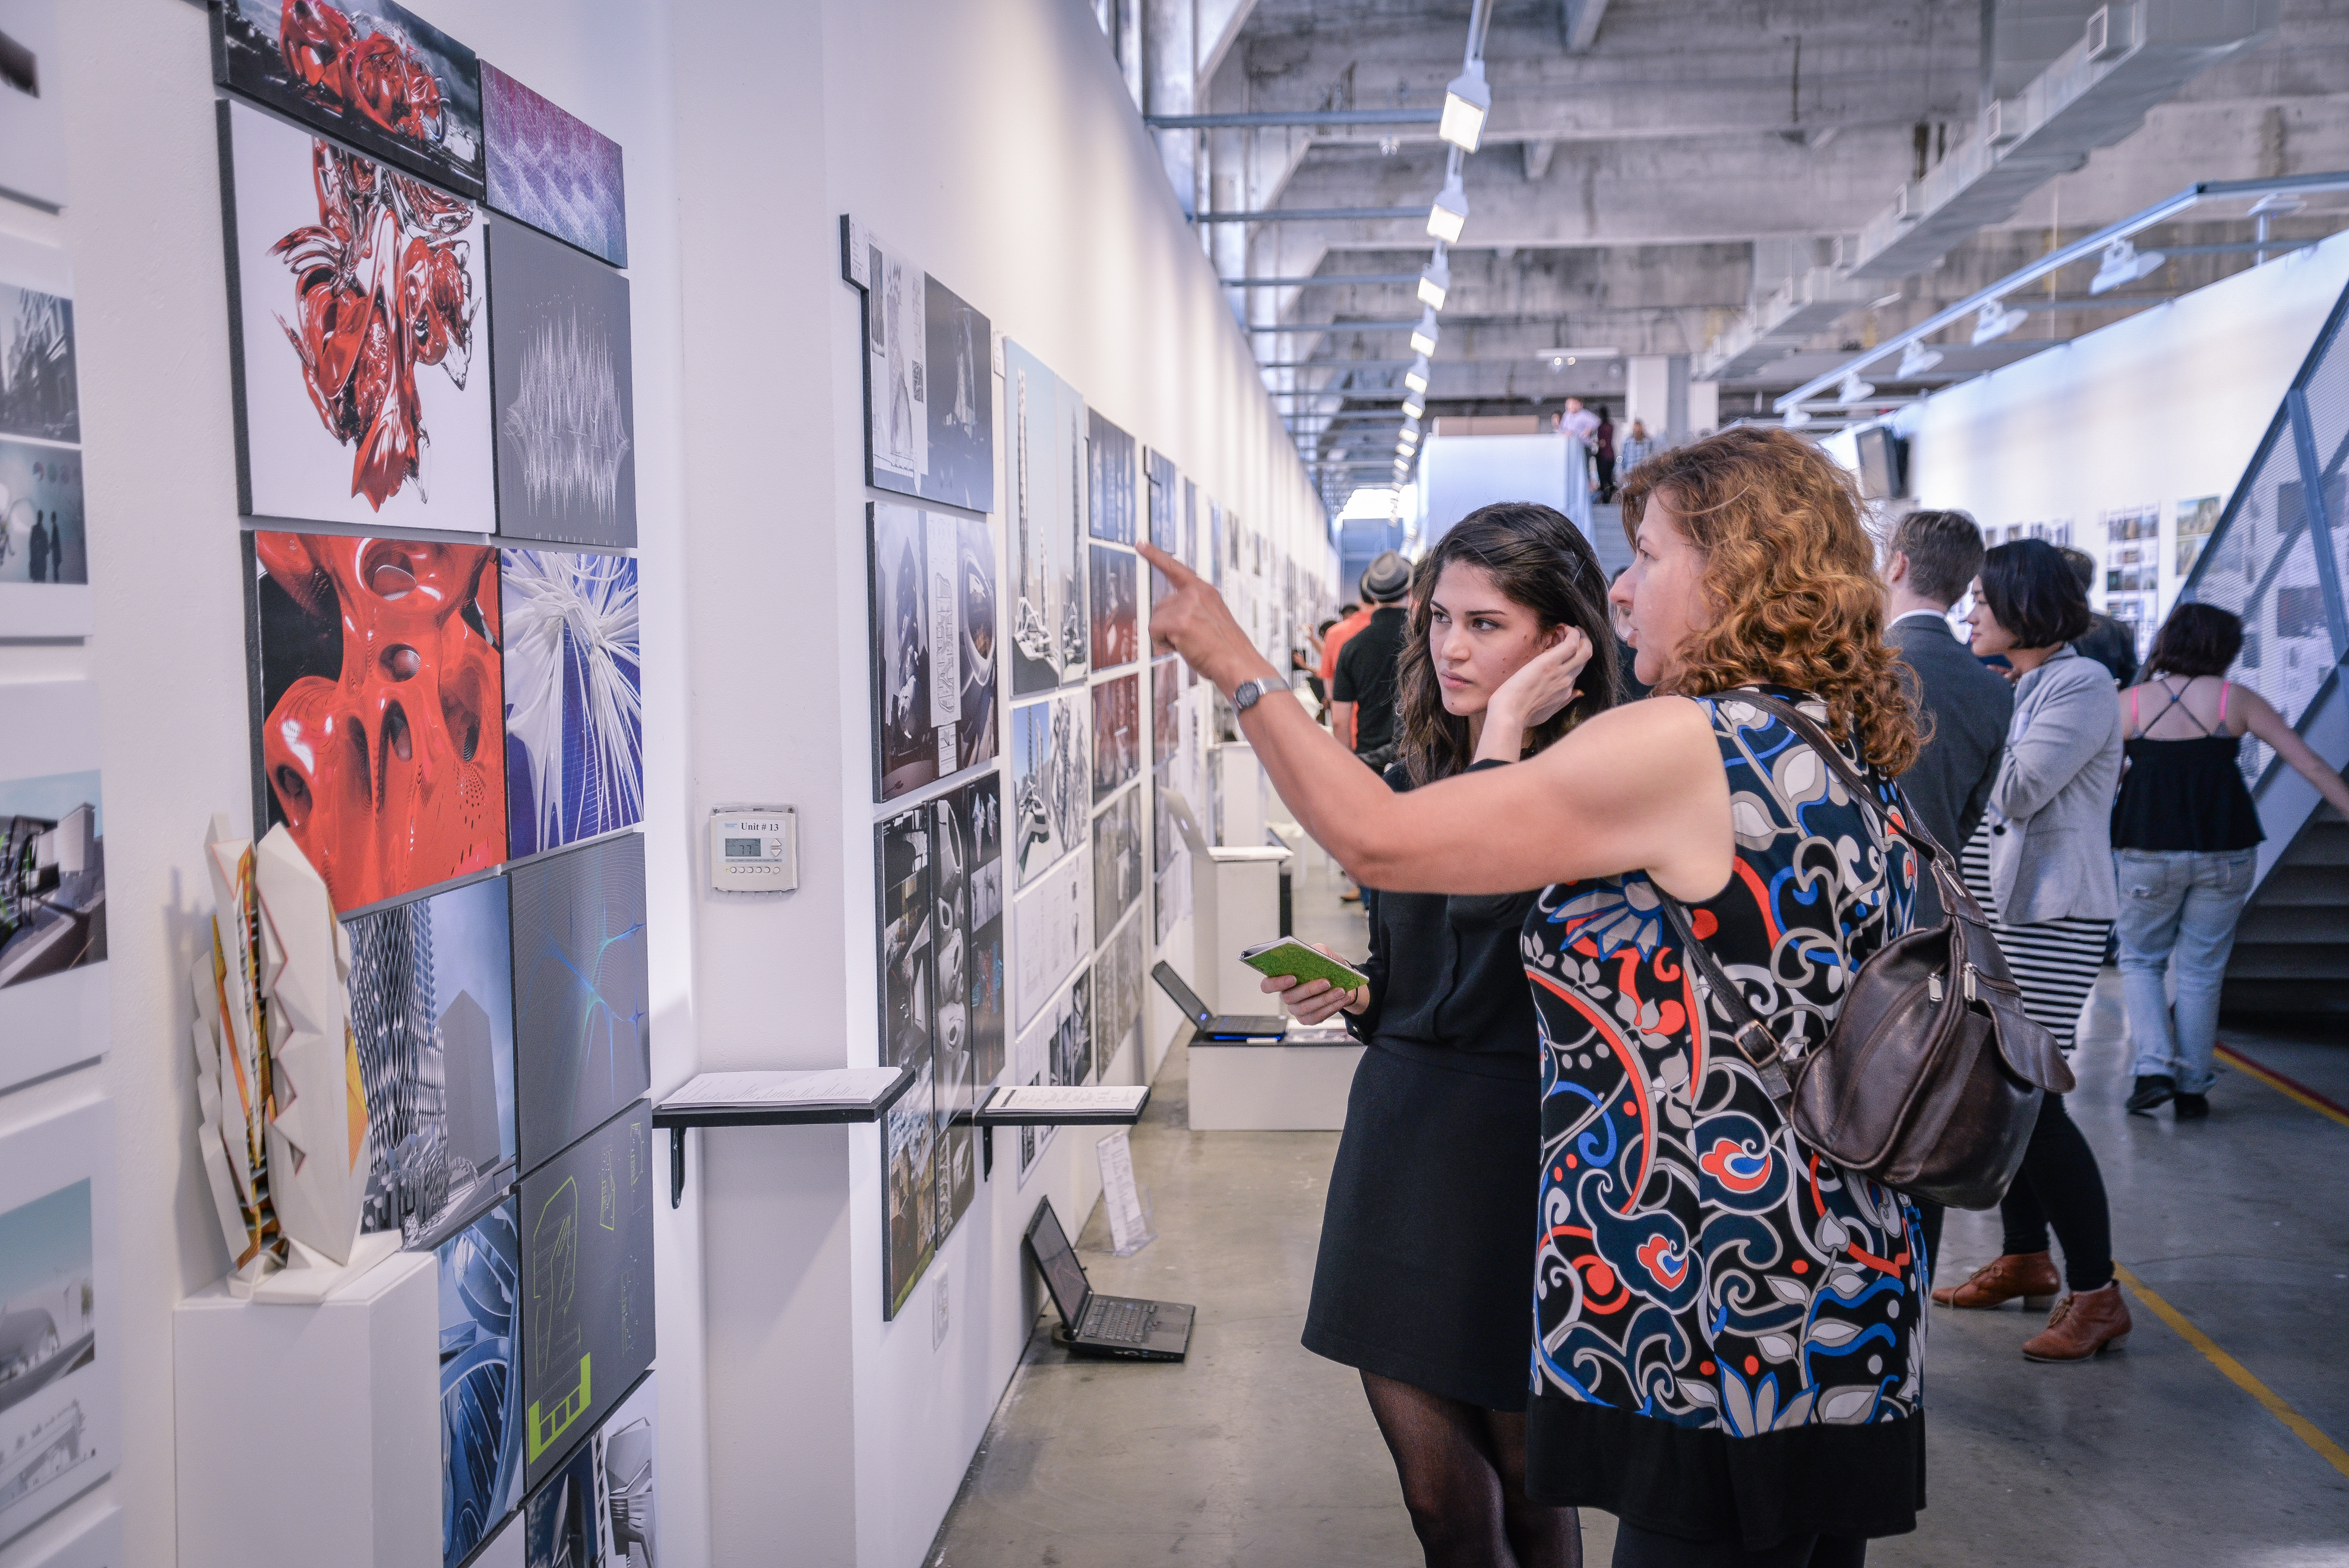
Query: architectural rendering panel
{"points": [[1115, 629], [53, 915], [1117, 734], [586, 1243], [1045, 496], [583, 1033], [431, 989], [1051, 780], [573, 697], [481, 1379], [1117, 859], [929, 382], [43, 539], [1110, 466], [563, 384], [59, 1357], [932, 590]]}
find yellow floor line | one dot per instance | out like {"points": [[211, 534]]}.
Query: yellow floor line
{"points": [[2306, 1430], [2283, 1085]]}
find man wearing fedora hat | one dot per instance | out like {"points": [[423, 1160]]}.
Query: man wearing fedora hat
{"points": [[1362, 697]]}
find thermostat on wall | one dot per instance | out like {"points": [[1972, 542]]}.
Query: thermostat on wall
{"points": [[754, 848]]}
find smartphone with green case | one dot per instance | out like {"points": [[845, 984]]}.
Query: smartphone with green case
{"points": [[1291, 958]]}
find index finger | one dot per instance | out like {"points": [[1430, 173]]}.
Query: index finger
{"points": [[1176, 572]]}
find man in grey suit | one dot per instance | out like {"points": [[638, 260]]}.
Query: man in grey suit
{"points": [[1932, 559]]}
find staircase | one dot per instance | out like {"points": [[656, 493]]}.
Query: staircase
{"points": [[2278, 559], [2291, 945]]}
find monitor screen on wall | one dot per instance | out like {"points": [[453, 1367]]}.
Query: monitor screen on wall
{"points": [[1883, 463]]}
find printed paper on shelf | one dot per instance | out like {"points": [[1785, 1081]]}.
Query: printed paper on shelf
{"points": [[825, 1087]]}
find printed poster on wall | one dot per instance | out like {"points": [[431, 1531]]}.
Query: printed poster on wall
{"points": [[929, 385], [52, 912], [61, 1408], [1047, 501], [44, 529]]}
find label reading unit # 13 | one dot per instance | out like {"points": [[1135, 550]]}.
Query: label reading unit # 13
{"points": [[754, 848]]}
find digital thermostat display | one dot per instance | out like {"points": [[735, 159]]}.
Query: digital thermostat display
{"points": [[754, 848]]}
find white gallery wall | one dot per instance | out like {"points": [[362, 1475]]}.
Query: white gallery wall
{"points": [[993, 144], [2165, 406]]}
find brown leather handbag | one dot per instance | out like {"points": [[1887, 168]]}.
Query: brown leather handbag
{"points": [[1930, 1081]]}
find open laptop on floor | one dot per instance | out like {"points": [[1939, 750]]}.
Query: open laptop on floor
{"points": [[1210, 1025], [1102, 1325]]}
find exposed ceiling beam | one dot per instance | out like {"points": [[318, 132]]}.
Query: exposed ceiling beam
{"points": [[1323, 280], [1273, 119], [1314, 215]]}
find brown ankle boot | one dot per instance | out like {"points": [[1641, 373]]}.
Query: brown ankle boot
{"points": [[2084, 1326], [2030, 1275]]}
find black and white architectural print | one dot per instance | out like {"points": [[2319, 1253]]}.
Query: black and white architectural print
{"points": [[970, 833], [1119, 974], [564, 392], [1164, 504], [40, 376], [931, 583], [903, 849], [1117, 859], [1051, 780], [1046, 500], [31, 104], [1073, 1039], [431, 989], [1052, 930], [929, 399]]}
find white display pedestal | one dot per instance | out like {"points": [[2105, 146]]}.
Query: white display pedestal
{"points": [[1270, 1087], [308, 1435], [1245, 793], [1247, 910]]}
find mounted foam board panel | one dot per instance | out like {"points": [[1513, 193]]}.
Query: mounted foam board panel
{"points": [[583, 1033]]}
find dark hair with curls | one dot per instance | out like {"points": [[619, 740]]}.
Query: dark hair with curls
{"points": [[1790, 577], [2035, 594], [1537, 559], [2197, 640]]}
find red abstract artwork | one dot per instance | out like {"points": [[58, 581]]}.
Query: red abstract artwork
{"points": [[378, 74], [382, 290], [384, 745]]}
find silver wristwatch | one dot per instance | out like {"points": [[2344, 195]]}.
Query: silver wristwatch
{"points": [[1246, 695]]}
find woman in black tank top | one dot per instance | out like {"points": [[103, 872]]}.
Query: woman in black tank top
{"points": [[2186, 836]]}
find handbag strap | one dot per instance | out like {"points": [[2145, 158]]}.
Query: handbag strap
{"points": [[1747, 1031]]}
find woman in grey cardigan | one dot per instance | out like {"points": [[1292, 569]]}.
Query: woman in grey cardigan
{"points": [[2041, 866]]}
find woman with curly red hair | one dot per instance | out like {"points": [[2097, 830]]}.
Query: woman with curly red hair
{"points": [[1727, 1350]]}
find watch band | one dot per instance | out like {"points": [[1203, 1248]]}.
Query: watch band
{"points": [[1247, 694]]}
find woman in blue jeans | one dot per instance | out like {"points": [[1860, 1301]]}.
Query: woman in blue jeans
{"points": [[2185, 842]]}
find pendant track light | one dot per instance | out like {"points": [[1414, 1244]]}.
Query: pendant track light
{"points": [[1413, 408], [1449, 215], [1854, 390], [1466, 103], [2123, 264], [1436, 282], [1416, 377], [1995, 320], [1423, 336], [1916, 359]]}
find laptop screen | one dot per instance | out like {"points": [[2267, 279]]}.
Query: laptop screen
{"points": [[1185, 998], [1057, 1261]]}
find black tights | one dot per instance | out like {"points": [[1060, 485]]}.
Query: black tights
{"points": [[2059, 1181], [1637, 1548], [1464, 1479]]}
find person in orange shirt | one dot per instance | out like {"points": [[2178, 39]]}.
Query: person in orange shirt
{"points": [[1351, 618]]}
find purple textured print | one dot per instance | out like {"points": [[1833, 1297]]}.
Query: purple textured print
{"points": [[552, 170]]}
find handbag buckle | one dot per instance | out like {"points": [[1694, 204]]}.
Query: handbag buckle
{"points": [[1755, 1044]]}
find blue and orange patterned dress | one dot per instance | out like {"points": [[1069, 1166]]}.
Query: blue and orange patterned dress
{"points": [[1729, 1331]]}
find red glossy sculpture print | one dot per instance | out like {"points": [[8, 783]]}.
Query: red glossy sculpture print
{"points": [[390, 772], [381, 291], [377, 73]]}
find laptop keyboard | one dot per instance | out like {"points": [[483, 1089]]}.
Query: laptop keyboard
{"points": [[1121, 1322]]}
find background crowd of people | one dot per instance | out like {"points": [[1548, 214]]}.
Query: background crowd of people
{"points": [[1530, 809]]}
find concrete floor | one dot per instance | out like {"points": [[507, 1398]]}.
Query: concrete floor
{"points": [[1257, 1454]]}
